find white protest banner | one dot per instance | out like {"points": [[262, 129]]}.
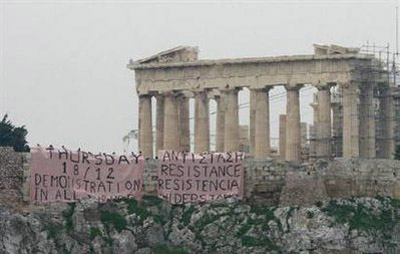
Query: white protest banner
{"points": [[67, 176], [187, 177]]}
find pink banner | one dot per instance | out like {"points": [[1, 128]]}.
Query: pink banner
{"points": [[67, 176], [188, 177]]}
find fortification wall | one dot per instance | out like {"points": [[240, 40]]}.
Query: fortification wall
{"points": [[11, 175], [362, 177], [270, 182]]}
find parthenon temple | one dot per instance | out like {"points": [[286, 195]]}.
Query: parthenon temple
{"points": [[345, 124]]}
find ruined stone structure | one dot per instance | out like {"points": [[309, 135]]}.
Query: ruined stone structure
{"points": [[288, 204], [174, 76], [266, 181]]}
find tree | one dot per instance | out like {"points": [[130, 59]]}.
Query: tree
{"points": [[10, 135]]}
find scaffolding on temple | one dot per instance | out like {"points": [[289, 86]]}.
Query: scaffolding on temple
{"points": [[386, 96]]}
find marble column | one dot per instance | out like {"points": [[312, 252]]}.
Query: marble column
{"points": [[231, 141], [324, 122], [367, 122], [337, 123], [386, 122], [313, 129], [145, 126], [160, 123], [253, 106], [262, 128], [202, 123], [313, 148], [184, 125], [282, 137], [350, 120], [293, 132], [220, 132], [171, 123]]}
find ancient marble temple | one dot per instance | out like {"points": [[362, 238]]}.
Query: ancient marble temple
{"points": [[174, 76]]}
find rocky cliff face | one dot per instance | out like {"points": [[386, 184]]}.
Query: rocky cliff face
{"points": [[362, 225]]}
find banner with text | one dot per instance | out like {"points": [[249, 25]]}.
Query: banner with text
{"points": [[67, 176], [187, 177]]}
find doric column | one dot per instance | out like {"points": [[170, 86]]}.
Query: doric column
{"points": [[231, 141], [171, 126], [312, 149], [337, 122], [184, 125], [220, 135], [324, 122], [293, 132], [304, 141], [145, 126], [371, 124], [313, 129], [160, 123], [202, 123], [282, 137], [386, 122], [253, 106], [367, 122], [350, 120], [262, 135]]}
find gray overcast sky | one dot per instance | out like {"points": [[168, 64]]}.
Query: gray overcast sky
{"points": [[63, 63]]}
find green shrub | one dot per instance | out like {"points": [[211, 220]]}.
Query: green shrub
{"points": [[115, 219], [94, 232], [360, 217], [52, 230], [138, 208], [187, 215], [152, 200], [250, 241], [67, 214]]}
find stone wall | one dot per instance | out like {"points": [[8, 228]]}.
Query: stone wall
{"points": [[264, 180], [270, 182], [11, 176], [363, 178]]}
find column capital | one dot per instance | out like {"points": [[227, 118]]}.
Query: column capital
{"points": [[322, 87], [200, 92], [228, 88], [262, 89], [184, 94], [175, 93], [293, 87], [366, 85], [348, 84], [213, 93], [168, 93], [145, 95]]}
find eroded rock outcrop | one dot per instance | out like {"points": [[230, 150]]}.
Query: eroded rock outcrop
{"points": [[361, 225]]}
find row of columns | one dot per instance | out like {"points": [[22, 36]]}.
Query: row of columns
{"points": [[173, 132], [172, 122], [353, 121]]}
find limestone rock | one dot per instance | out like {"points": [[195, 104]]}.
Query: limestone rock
{"points": [[336, 226]]}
